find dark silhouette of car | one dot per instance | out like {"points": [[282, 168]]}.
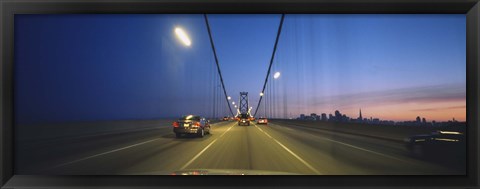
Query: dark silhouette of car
{"points": [[262, 120], [243, 119], [439, 144], [191, 125]]}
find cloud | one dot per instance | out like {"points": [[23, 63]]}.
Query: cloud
{"points": [[424, 94], [442, 108]]}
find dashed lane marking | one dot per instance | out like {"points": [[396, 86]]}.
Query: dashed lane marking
{"points": [[204, 149], [291, 152]]}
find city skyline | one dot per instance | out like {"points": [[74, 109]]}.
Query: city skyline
{"points": [[325, 116], [440, 103]]}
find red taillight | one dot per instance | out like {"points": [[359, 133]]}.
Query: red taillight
{"points": [[197, 124], [175, 124]]}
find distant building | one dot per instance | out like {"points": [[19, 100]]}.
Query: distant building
{"points": [[310, 118], [324, 117], [338, 116], [360, 118]]}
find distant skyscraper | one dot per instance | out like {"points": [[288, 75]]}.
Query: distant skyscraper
{"points": [[324, 117], [338, 115], [360, 118], [418, 119]]}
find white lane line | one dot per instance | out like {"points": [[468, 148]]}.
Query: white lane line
{"points": [[290, 151], [111, 151], [227, 130], [353, 146], [198, 155], [366, 150], [265, 133], [204, 149]]}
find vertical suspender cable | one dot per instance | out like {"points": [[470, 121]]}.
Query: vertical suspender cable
{"points": [[214, 95]]}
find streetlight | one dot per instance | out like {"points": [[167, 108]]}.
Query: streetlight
{"points": [[233, 103], [182, 36], [276, 75], [229, 97], [261, 94]]}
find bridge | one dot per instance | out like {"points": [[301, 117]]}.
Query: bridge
{"points": [[295, 141]]}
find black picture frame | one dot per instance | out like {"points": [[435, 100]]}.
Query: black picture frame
{"points": [[10, 7]]}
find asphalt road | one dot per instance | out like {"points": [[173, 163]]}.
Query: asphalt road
{"points": [[267, 149]]}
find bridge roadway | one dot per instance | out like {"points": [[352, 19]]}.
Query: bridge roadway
{"points": [[269, 149]]}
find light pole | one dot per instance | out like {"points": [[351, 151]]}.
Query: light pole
{"points": [[275, 77]]}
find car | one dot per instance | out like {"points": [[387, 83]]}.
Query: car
{"points": [[262, 120], [243, 119], [191, 125], [437, 144]]}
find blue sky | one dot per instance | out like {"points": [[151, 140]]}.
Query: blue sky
{"points": [[89, 67], [373, 62]]}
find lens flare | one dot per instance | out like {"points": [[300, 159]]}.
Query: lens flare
{"points": [[183, 36]]}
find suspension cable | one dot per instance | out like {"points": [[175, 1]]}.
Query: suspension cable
{"points": [[271, 61], [216, 61]]}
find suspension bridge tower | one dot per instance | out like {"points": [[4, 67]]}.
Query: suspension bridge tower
{"points": [[243, 104]]}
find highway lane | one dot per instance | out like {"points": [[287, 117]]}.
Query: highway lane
{"points": [[338, 153], [272, 147]]}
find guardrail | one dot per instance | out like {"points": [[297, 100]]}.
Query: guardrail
{"points": [[394, 133]]}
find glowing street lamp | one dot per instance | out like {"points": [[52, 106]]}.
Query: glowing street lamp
{"points": [[229, 97], [261, 94], [276, 75], [182, 36], [233, 103]]}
